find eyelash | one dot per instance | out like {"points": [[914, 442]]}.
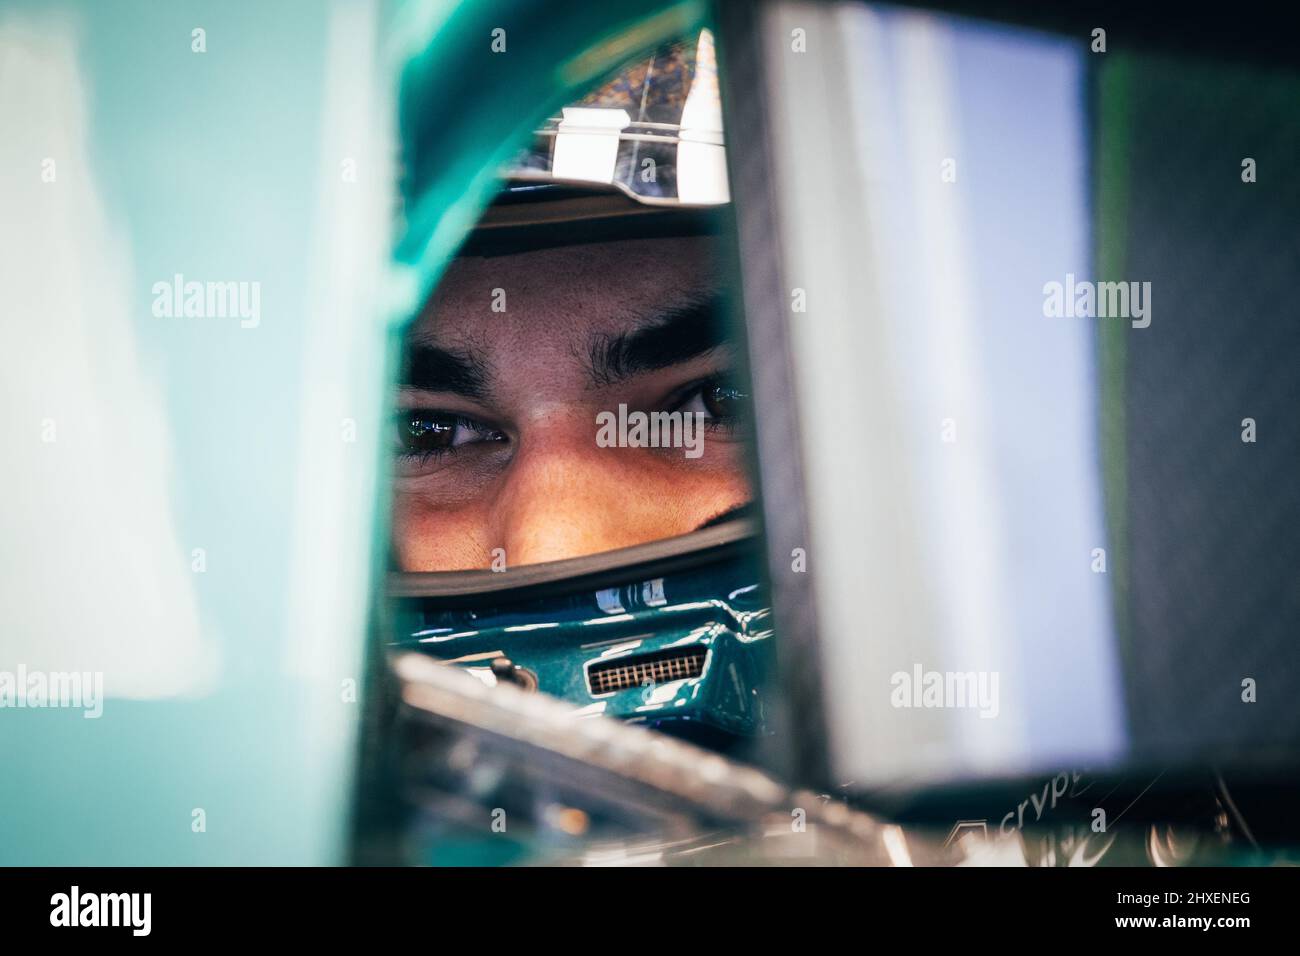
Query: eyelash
{"points": [[727, 423], [405, 417]]}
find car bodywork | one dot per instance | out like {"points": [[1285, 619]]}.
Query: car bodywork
{"points": [[688, 651]]}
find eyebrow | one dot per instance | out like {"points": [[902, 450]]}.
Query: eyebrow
{"points": [[434, 369], [674, 335]]}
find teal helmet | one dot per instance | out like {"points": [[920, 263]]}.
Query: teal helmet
{"points": [[675, 634]]}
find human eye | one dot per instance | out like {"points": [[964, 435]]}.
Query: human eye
{"points": [[424, 434], [723, 403]]}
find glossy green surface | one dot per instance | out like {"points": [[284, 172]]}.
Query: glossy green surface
{"points": [[207, 529], [199, 530], [479, 78], [722, 609]]}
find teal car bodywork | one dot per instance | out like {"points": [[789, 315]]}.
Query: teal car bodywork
{"points": [[208, 533], [688, 653]]}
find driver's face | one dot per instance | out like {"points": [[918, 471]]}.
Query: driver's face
{"points": [[496, 433]]}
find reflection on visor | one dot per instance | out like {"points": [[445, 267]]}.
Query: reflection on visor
{"points": [[654, 130]]}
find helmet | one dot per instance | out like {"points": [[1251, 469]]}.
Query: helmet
{"points": [[653, 131], [673, 633]]}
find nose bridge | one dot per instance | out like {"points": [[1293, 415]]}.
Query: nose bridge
{"points": [[566, 497]]}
